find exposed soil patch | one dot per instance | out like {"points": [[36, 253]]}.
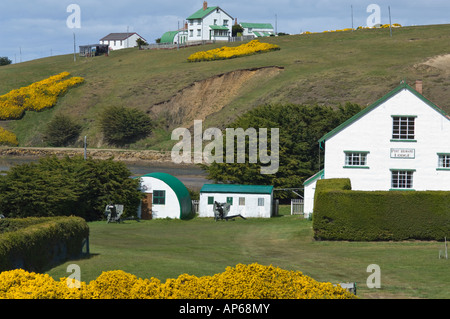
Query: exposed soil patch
{"points": [[441, 62], [203, 98]]}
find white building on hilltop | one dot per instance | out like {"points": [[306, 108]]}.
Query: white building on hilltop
{"points": [[209, 23], [399, 143], [117, 41]]}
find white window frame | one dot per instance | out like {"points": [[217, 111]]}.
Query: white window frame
{"points": [[403, 128], [444, 161], [402, 179], [356, 159], [261, 201]]}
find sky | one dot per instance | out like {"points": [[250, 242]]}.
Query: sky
{"points": [[32, 29]]}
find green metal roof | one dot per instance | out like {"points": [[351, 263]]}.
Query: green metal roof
{"points": [[356, 117], [168, 36], [180, 190], [234, 188], [219, 27], [256, 25], [200, 14]]}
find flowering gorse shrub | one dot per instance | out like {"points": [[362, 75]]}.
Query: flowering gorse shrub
{"points": [[241, 282], [222, 53], [35, 97], [8, 138]]}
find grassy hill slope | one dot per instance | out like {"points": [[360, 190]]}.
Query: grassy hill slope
{"points": [[326, 68]]}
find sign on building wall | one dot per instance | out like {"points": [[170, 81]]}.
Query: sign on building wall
{"points": [[403, 153]]}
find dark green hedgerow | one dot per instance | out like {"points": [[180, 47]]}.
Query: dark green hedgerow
{"points": [[36, 243], [342, 214]]}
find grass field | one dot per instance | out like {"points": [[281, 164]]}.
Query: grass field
{"points": [[329, 68], [201, 246]]}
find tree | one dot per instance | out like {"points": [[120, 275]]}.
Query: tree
{"points": [[5, 61], [121, 125], [140, 43], [236, 29], [68, 186], [300, 127], [62, 130]]}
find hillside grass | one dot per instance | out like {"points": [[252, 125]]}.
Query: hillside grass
{"points": [[167, 248], [325, 68]]}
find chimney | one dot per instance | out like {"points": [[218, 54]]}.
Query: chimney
{"points": [[419, 86], [235, 21], [185, 26], [205, 5]]}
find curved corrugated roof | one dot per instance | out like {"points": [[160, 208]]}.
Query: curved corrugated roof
{"points": [[168, 37], [180, 190]]}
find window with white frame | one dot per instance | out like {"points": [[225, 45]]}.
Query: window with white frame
{"points": [[261, 201], [402, 179], [241, 201], [355, 159], [444, 161], [403, 127], [199, 32]]}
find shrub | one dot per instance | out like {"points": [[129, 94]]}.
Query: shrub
{"points": [[222, 53], [42, 243], [241, 282], [62, 130], [67, 186], [121, 125], [8, 138], [35, 97], [342, 214]]}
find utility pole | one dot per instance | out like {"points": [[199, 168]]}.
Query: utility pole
{"points": [[390, 21], [74, 49], [276, 24], [352, 17], [85, 148]]}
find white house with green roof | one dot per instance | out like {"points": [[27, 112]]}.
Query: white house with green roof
{"points": [[399, 143], [250, 201], [209, 23], [257, 29], [165, 197]]}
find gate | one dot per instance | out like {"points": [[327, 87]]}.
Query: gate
{"points": [[297, 206]]}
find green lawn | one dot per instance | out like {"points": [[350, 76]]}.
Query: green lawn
{"points": [[201, 246]]}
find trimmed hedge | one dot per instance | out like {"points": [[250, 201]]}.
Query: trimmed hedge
{"points": [[342, 214], [34, 244]]}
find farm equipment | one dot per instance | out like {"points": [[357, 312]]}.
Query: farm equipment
{"points": [[221, 211], [113, 213]]}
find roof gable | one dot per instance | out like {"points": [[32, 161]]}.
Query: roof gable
{"points": [[200, 14], [119, 36], [385, 98]]}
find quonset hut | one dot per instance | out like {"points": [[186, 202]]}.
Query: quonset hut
{"points": [[165, 197]]}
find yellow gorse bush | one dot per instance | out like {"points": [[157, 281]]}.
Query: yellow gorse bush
{"points": [[35, 97], [252, 281], [8, 138], [222, 53]]}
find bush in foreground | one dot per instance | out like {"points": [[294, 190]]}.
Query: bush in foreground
{"points": [[241, 282]]}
